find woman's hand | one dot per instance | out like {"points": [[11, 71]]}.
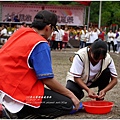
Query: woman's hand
{"points": [[92, 94], [102, 94]]}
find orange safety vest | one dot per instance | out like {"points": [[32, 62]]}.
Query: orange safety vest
{"points": [[17, 79]]}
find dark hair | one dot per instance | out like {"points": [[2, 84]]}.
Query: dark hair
{"points": [[99, 48], [43, 18], [23, 23], [37, 24]]}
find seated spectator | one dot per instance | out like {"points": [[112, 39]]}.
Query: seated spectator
{"points": [[16, 27], [10, 29], [9, 19], [3, 34], [24, 24], [16, 19]]}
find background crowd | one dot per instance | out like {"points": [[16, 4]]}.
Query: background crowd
{"points": [[60, 39], [7, 30]]}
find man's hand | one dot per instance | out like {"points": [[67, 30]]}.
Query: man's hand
{"points": [[76, 102], [54, 85]]}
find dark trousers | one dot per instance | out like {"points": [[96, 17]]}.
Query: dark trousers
{"points": [[52, 44], [82, 44], [115, 48], [109, 44], [65, 44], [54, 106], [88, 44], [56, 45], [101, 83]]}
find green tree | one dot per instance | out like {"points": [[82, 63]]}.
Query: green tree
{"points": [[110, 12], [105, 18]]}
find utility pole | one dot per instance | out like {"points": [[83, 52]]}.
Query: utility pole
{"points": [[88, 17], [99, 25], [84, 16]]}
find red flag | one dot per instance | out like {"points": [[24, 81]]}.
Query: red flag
{"points": [[86, 3]]}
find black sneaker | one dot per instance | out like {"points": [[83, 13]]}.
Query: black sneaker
{"points": [[98, 99]]}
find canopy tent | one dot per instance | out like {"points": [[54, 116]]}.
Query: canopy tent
{"points": [[86, 3]]}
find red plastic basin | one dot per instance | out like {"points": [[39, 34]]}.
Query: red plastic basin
{"points": [[98, 107]]}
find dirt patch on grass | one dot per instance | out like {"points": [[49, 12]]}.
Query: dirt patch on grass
{"points": [[61, 65]]}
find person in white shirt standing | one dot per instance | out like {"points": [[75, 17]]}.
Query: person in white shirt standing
{"points": [[87, 37], [96, 33], [115, 40], [59, 38], [82, 37], [92, 35], [118, 42], [110, 39]]}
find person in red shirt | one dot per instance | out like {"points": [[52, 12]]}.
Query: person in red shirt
{"points": [[101, 35], [52, 41], [65, 37]]}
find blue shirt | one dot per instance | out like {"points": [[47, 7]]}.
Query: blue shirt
{"points": [[40, 61]]}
